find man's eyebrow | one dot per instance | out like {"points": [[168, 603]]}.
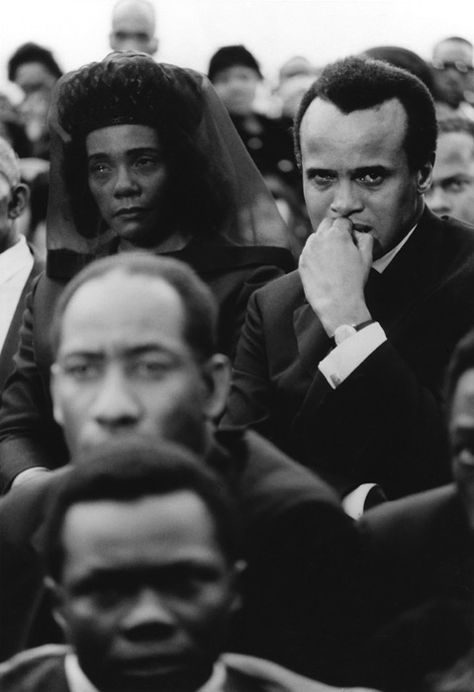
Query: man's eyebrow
{"points": [[454, 178], [127, 350], [319, 170], [376, 168]]}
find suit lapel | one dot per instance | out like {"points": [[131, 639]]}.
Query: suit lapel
{"points": [[313, 342]]}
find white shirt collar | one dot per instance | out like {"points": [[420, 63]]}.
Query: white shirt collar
{"points": [[14, 259], [382, 263], [79, 682]]}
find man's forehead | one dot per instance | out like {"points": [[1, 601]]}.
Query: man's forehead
{"points": [[319, 108], [373, 131], [177, 521], [127, 303], [455, 146]]}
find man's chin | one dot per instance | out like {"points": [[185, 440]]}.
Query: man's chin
{"points": [[153, 675]]}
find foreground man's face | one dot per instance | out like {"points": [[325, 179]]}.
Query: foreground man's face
{"points": [[355, 166], [145, 592], [123, 365]]}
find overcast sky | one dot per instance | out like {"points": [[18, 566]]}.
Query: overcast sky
{"points": [[190, 30]]}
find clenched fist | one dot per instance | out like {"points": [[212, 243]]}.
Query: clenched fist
{"points": [[334, 267]]}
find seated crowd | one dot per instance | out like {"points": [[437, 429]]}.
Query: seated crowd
{"points": [[219, 472]]}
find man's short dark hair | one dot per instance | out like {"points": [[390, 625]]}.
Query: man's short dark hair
{"points": [[358, 84], [462, 359], [32, 52], [128, 470], [199, 306]]}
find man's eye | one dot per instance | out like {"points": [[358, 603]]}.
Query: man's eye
{"points": [[151, 369], [370, 179], [147, 162], [322, 180], [99, 169], [81, 371], [457, 185]]}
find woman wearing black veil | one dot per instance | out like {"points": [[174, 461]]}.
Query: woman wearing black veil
{"points": [[143, 155]]}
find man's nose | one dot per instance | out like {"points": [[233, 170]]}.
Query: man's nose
{"points": [[148, 615], [438, 201], [116, 404], [346, 199], [125, 182]]}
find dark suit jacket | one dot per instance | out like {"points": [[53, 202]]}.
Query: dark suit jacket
{"points": [[419, 552], [13, 336], [41, 669], [28, 434], [297, 542], [384, 423]]}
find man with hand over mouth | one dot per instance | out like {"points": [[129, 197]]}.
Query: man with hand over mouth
{"points": [[341, 362]]}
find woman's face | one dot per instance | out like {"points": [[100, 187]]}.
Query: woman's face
{"points": [[127, 177]]}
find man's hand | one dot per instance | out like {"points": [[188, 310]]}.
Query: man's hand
{"points": [[334, 267]]}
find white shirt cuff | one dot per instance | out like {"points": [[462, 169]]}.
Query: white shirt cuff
{"points": [[353, 503], [345, 358]]}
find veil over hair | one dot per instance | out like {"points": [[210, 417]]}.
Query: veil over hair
{"points": [[191, 121]]}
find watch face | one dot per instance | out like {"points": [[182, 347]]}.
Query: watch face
{"points": [[343, 332]]}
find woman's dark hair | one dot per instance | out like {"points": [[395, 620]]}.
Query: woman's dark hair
{"points": [[131, 88]]}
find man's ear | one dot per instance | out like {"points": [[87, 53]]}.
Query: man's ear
{"points": [[53, 388], [19, 200], [238, 571], [424, 177], [153, 45], [216, 372], [56, 596]]}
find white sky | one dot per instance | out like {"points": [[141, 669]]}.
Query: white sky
{"points": [[191, 30]]}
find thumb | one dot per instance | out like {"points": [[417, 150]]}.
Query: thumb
{"points": [[365, 243]]}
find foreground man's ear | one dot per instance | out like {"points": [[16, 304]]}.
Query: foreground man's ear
{"points": [[425, 176]]}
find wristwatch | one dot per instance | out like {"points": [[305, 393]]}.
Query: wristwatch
{"points": [[345, 331]]}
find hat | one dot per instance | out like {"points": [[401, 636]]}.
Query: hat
{"points": [[9, 167], [229, 56]]}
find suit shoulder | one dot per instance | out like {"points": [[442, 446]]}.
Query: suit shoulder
{"points": [[35, 670], [287, 290], [285, 476], [250, 674], [411, 519]]}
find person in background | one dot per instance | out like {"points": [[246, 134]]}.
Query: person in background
{"points": [[35, 71], [295, 77], [158, 166], [235, 74], [405, 59], [142, 552], [134, 344], [18, 265], [420, 549], [133, 27], [452, 189], [452, 62]]}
